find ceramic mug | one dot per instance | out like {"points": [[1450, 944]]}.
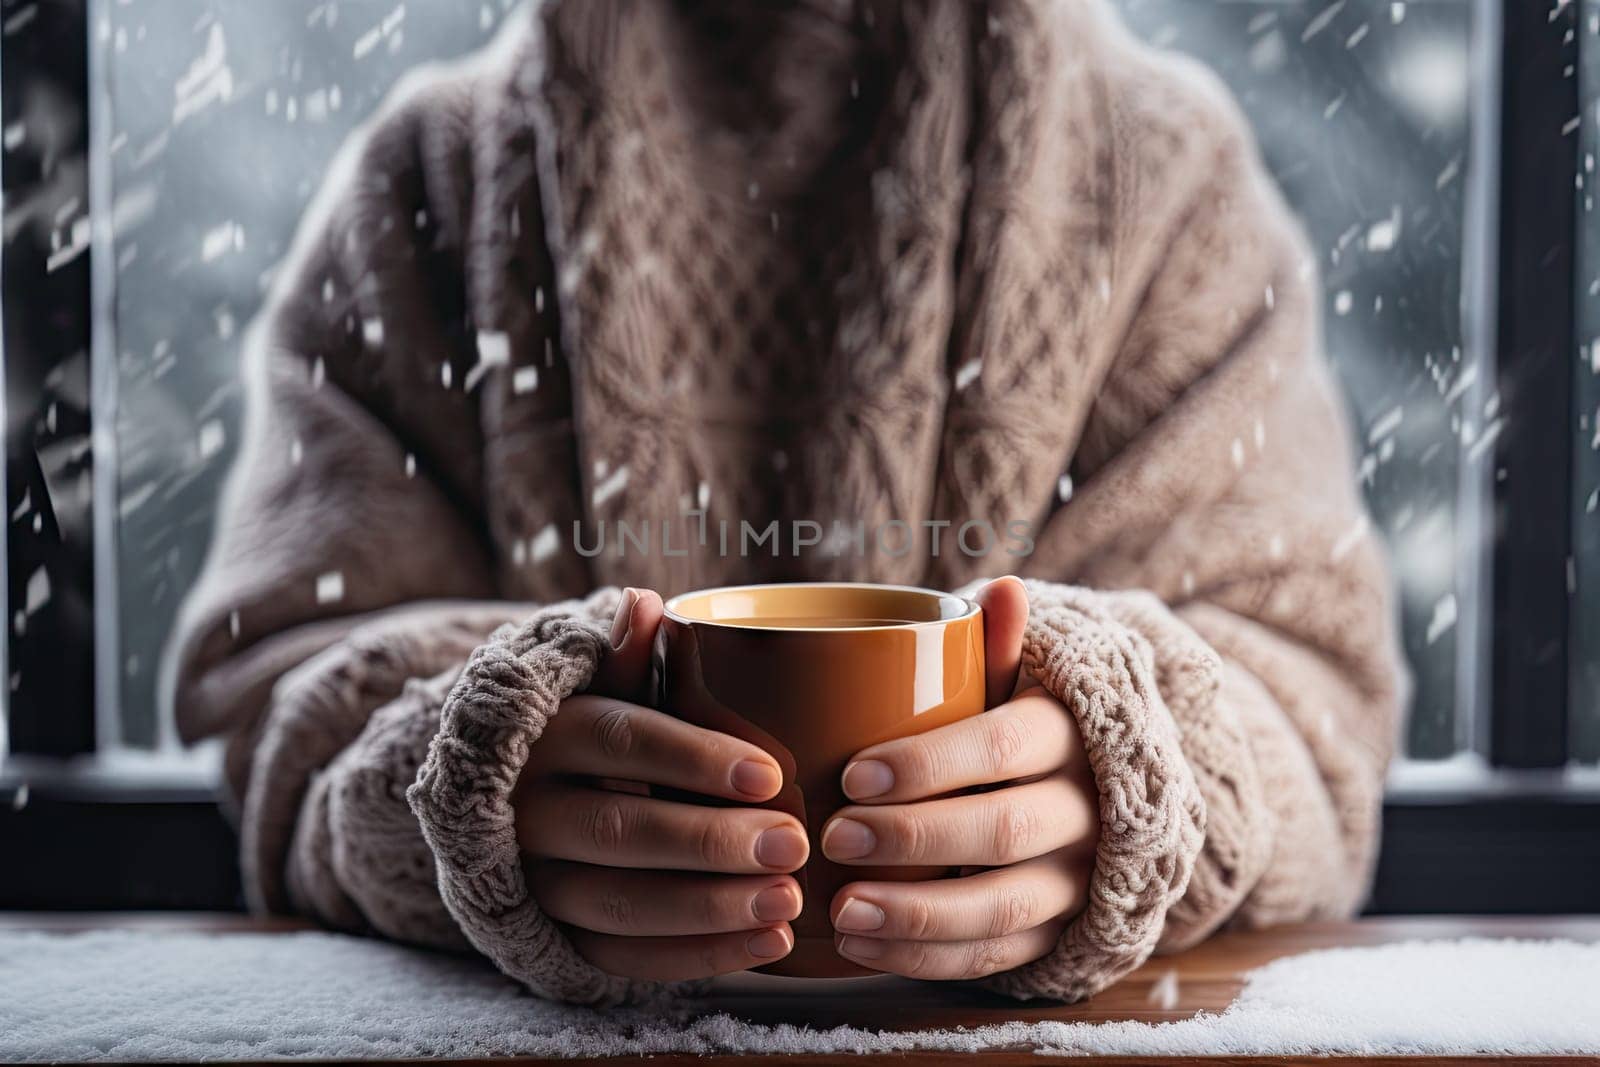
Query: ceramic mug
{"points": [[813, 673]]}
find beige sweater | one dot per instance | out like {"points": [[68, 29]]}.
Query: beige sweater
{"points": [[920, 261]]}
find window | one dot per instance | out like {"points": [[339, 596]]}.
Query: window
{"points": [[218, 130], [1365, 116], [157, 158]]}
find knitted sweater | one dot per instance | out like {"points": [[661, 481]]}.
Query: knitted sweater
{"points": [[922, 263]]}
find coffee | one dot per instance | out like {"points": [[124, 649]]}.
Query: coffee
{"points": [[814, 673], [803, 623]]}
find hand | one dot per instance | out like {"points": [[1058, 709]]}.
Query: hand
{"points": [[1033, 837], [653, 888]]}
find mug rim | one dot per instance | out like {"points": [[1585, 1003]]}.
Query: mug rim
{"points": [[970, 607]]}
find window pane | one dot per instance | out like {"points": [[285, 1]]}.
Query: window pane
{"points": [[1363, 114], [222, 119]]}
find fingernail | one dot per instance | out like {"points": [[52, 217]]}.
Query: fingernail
{"points": [[781, 847], [861, 948], [768, 944], [776, 904], [868, 778], [858, 915], [846, 839], [753, 779], [620, 624]]}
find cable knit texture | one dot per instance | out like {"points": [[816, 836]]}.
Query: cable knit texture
{"points": [[511, 687], [943, 262], [1152, 817]]}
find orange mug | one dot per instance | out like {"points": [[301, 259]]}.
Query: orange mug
{"points": [[813, 673]]}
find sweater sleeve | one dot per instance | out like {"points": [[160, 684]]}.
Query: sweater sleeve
{"points": [[495, 711], [1210, 602]]}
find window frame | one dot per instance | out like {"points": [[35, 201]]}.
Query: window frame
{"points": [[1528, 614], [45, 310]]}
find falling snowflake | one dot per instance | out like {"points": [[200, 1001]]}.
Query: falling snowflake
{"points": [[213, 435], [1348, 540], [1444, 617], [207, 81], [968, 373], [330, 587], [1164, 992], [545, 544], [1387, 424], [390, 25], [611, 485], [1381, 236], [220, 240], [38, 592]]}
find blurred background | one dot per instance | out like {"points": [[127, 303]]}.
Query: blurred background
{"points": [[159, 153]]}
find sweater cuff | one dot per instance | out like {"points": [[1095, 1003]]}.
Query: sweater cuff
{"points": [[510, 689], [1151, 810]]}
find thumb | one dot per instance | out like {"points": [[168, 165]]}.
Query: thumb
{"points": [[624, 671], [1005, 614]]}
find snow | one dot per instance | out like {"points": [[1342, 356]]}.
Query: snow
{"points": [[1386, 424], [38, 591], [1164, 993], [213, 435], [220, 240], [207, 81], [968, 373], [545, 544], [1443, 618], [1320, 22], [611, 485], [330, 587], [1382, 235], [387, 28], [149, 994]]}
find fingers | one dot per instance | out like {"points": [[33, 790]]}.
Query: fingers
{"points": [[982, 830], [1033, 734], [679, 959], [979, 907], [568, 822], [1005, 614], [950, 960], [661, 903], [607, 738], [624, 672]]}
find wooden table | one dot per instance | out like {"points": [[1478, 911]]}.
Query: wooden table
{"points": [[1208, 978]]}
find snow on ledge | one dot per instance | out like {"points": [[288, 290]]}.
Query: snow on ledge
{"points": [[145, 995]]}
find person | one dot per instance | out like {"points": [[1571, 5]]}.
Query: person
{"points": [[920, 266]]}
